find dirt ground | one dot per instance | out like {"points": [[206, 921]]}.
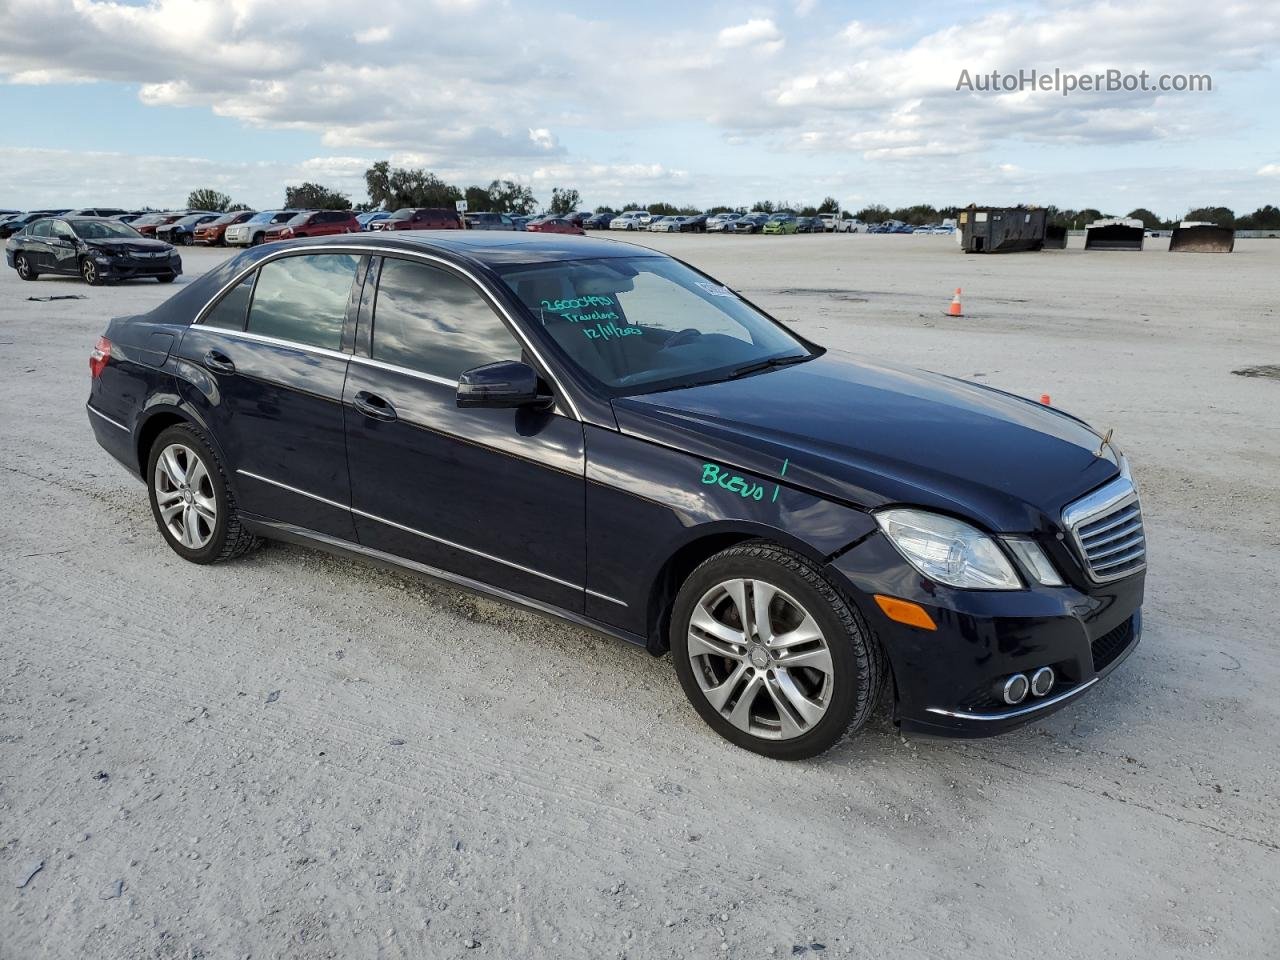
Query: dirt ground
{"points": [[292, 755]]}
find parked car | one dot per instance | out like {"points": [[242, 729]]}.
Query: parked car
{"points": [[314, 223], [680, 474], [694, 223], [598, 221], [579, 218], [781, 223], [489, 221], [214, 232], [421, 218], [182, 232], [625, 221], [750, 223], [520, 221], [367, 220], [809, 225], [97, 250], [665, 224], [148, 223], [254, 230], [97, 212], [722, 222], [15, 224], [129, 217], [554, 225]]}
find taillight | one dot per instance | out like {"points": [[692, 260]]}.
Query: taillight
{"points": [[98, 359]]}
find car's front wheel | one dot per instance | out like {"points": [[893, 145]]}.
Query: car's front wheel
{"points": [[22, 264], [90, 273], [771, 654], [190, 499]]}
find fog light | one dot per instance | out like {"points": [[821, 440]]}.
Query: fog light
{"points": [[1015, 689], [1042, 681]]}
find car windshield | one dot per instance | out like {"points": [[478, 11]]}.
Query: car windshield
{"points": [[149, 218], [104, 230], [298, 220], [191, 220], [404, 213], [639, 324], [225, 218], [264, 217]]}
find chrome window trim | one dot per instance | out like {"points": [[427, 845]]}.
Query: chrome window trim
{"points": [[1011, 714], [114, 423], [419, 533], [423, 256], [279, 342], [407, 371]]}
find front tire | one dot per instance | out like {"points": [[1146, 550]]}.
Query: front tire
{"points": [[191, 500], [167, 278], [89, 272], [23, 265], [771, 654], [256, 241]]}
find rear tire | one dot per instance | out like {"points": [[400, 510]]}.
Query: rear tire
{"points": [[23, 265], [190, 498], [791, 688]]}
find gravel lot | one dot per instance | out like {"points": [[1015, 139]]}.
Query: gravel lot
{"points": [[294, 755]]}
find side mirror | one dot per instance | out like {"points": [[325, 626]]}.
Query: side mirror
{"points": [[507, 383]]}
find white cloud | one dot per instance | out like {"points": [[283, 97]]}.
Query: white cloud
{"points": [[373, 35], [1269, 170], [762, 33], [859, 34]]}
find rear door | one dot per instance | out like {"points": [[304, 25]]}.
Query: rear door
{"points": [[493, 495], [273, 358]]}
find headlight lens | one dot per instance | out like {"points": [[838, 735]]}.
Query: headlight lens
{"points": [[948, 550], [1034, 560]]}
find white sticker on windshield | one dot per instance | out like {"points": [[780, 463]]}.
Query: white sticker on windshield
{"points": [[715, 289]]}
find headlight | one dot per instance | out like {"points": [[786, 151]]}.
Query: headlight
{"points": [[948, 550]]}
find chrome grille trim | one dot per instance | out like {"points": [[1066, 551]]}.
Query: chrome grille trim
{"points": [[1106, 528]]}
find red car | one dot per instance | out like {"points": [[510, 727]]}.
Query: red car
{"points": [[214, 234], [146, 224], [554, 225], [420, 218], [315, 223]]}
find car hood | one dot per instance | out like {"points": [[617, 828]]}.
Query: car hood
{"points": [[873, 434], [129, 245]]}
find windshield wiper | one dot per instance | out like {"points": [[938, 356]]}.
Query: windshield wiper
{"points": [[768, 364]]}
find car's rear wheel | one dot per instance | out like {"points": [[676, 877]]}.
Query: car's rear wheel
{"points": [[190, 499], [90, 273], [22, 264], [771, 654]]}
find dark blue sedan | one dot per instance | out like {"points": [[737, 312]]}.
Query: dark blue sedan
{"points": [[608, 435]]}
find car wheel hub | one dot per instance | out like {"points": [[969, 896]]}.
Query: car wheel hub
{"points": [[760, 659], [184, 496]]}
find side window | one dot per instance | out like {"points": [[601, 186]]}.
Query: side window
{"points": [[40, 228], [229, 312], [429, 320], [303, 299], [60, 229]]}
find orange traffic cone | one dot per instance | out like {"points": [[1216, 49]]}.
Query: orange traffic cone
{"points": [[954, 310]]}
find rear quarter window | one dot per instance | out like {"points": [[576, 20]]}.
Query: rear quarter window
{"points": [[230, 311]]}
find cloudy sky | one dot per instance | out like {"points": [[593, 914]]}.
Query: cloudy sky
{"points": [[130, 103]]}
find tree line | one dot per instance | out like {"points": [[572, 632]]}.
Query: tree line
{"points": [[391, 188]]}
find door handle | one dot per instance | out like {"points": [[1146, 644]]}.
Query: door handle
{"points": [[218, 362], [372, 405]]}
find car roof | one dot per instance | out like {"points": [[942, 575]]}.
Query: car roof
{"points": [[492, 249]]}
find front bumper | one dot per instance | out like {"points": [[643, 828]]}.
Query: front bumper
{"points": [[947, 680], [128, 268]]}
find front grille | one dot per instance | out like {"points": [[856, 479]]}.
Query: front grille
{"points": [[1110, 645], [1108, 533]]}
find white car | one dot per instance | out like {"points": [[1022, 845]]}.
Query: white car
{"points": [[254, 230], [665, 224], [846, 225], [722, 222], [625, 222]]}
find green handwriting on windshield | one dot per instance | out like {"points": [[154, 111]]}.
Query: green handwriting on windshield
{"points": [[712, 474], [595, 314]]}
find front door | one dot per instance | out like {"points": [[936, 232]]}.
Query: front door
{"points": [[493, 495], [273, 364]]}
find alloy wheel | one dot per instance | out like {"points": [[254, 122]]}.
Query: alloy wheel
{"points": [[24, 268], [760, 659], [184, 496], [89, 271]]}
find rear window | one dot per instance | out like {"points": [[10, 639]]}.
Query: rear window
{"points": [[229, 312], [303, 299]]}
